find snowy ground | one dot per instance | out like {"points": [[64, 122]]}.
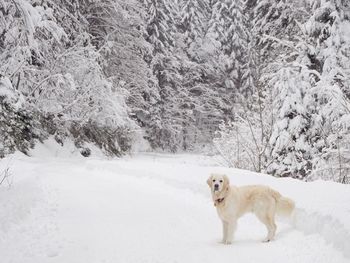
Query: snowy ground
{"points": [[155, 208]]}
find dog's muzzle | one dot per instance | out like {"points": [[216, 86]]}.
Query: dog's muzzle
{"points": [[216, 187]]}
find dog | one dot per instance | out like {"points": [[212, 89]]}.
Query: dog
{"points": [[232, 202]]}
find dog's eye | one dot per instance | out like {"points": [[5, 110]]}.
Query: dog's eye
{"points": [[220, 181], [214, 180]]}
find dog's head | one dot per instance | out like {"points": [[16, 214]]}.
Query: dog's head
{"points": [[218, 182]]}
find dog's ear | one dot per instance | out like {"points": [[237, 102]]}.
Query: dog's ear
{"points": [[210, 181], [226, 181]]}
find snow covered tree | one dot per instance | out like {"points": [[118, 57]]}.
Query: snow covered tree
{"points": [[160, 25], [118, 28], [310, 135], [329, 28], [17, 128], [228, 28], [194, 16], [289, 142], [276, 19], [47, 52], [268, 63], [172, 104]]}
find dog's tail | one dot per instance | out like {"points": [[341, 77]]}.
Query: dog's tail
{"points": [[284, 205]]}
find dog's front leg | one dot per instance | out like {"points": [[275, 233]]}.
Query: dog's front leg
{"points": [[224, 231], [231, 227]]}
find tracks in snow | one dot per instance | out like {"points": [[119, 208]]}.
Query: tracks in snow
{"points": [[328, 227]]}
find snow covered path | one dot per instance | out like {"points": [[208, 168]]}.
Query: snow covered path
{"points": [[154, 208]]}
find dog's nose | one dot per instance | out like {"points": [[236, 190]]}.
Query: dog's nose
{"points": [[216, 186]]}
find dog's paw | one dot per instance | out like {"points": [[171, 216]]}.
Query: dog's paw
{"points": [[227, 242], [267, 240]]}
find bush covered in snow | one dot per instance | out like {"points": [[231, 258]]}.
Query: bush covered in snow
{"points": [[17, 127]]}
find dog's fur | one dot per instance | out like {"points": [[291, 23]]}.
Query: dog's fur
{"points": [[232, 202]]}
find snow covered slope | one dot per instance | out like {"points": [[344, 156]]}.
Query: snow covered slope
{"points": [[156, 208]]}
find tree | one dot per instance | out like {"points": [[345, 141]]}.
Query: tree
{"points": [[331, 111], [172, 105], [194, 16], [17, 128], [49, 55], [291, 151]]}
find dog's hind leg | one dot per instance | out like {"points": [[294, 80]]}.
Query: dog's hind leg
{"points": [[268, 220], [231, 227]]}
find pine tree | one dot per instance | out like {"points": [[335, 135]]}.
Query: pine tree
{"points": [[331, 111], [160, 26], [173, 104], [290, 145], [228, 32], [194, 16]]}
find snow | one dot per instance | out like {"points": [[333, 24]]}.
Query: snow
{"points": [[154, 208], [9, 94], [51, 149]]}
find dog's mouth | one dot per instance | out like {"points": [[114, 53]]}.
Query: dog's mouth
{"points": [[216, 188]]}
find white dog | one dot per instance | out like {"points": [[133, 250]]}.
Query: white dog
{"points": [[232, 202]]}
